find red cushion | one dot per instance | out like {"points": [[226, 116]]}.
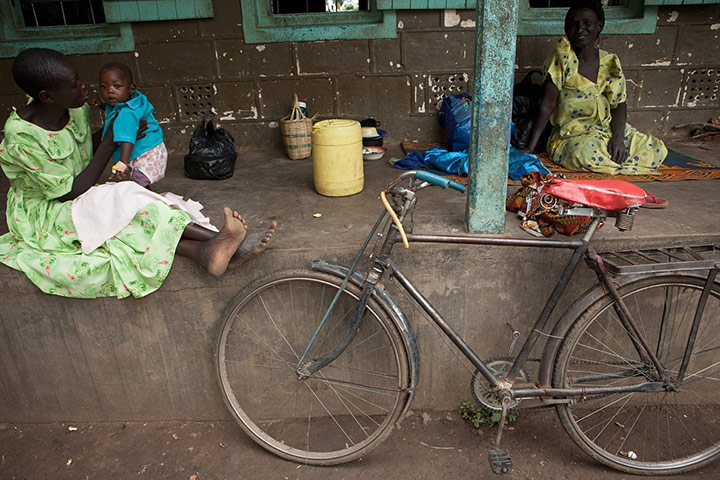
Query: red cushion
{"points": [[610, 195]]}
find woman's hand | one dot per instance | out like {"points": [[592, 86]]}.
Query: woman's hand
{"points": [[617, 149], [142, 129], [616, 146]]}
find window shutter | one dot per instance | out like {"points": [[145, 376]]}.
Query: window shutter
{"points": [[119, 11]]}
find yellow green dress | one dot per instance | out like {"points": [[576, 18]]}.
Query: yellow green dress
{"points": [[42, 242], [581, 119]]}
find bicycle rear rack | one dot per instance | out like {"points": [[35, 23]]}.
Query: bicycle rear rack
{"points": [[661, 259]]}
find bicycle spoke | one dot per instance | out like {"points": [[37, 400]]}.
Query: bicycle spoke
{"points": [[341, 411], [645, 432]]}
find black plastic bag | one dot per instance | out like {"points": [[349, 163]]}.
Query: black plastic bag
{"points": [[212, 153]]}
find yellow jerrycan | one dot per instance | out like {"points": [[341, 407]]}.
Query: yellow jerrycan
{"points": [[337, 157]]}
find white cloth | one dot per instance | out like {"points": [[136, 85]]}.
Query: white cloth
{"points": [[104, 210]]}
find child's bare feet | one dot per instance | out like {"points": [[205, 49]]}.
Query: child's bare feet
{"points": [[253, 244], [218, 251]]}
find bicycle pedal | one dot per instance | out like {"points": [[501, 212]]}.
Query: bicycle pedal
{"points": [[500, 461]]}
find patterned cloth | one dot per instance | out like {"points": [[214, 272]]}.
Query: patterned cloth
{"points": [[151, 164], [42, 241], [540, 219], [581, 119]]}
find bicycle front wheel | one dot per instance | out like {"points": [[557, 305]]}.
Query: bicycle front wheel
{"points": [[660, 433], [337, 414]]}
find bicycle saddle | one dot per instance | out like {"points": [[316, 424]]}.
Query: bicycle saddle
{"points": [[611, 195]]}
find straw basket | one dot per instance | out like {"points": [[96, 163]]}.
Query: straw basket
{"points": [[296, 131]]}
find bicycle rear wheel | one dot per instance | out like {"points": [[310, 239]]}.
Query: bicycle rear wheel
{"points": [[342, 411], [649, 432]]}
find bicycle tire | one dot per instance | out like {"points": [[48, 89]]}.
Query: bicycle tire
{"points": [[646, 433], [345, 409]]}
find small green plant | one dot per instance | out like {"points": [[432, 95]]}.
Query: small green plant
{"points": [[479, 416]]}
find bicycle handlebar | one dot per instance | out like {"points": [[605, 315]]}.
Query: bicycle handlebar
{"points": [[438, 180]]}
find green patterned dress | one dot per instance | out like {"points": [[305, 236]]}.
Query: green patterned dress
{"points": [[42, 242], [581, 119]]}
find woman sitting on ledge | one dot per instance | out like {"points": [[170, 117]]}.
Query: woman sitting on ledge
{"points": [[584, 97], [49, 156]]}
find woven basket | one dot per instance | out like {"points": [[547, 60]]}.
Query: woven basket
{"points": [[296, 131]]}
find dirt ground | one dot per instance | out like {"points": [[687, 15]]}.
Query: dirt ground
{"points": [[428, 445]]}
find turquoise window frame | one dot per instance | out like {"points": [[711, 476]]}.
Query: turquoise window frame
{"points": [[260, 25], [635, 18], [76, 39]]}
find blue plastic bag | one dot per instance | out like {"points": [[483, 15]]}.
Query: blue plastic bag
{"points": [[455, 117]]}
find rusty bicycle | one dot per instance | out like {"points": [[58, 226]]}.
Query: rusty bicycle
{"points": [[318, 365]]}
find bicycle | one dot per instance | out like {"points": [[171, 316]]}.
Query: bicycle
{"points": [[318, 365]]}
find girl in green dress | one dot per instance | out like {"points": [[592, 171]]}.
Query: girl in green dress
{"points": [[585, 99], [51, 158]]}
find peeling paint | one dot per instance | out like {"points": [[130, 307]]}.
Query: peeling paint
{"points": [[183, 131], [137, 54], [398, 66], [260, 48], [451, 18], [401, 25], [673, 16], [392, 64], [630, 45], [273, 124], [657, 63], [715, 26], [657, 42], [468, 23], [228, 116]]}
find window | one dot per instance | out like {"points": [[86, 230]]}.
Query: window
{"points": [[70, 26], [309, 6], [86, 26], [39, 13], [547, 17], [306, 20]]}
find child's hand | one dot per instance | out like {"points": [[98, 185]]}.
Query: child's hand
{"points": [[119, 170]]}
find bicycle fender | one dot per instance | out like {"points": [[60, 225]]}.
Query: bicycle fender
{"points": [[397, 315]]}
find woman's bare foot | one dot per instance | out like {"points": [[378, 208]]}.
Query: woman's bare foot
{"points": [[218, 252], [253, 244]]}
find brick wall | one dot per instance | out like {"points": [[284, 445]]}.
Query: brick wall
{"points": [[188, 68]]}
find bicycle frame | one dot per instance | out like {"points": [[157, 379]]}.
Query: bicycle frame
{"points": [[580, 249]]}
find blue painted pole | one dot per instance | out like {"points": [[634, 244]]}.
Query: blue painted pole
{"points": [[496, 36]]}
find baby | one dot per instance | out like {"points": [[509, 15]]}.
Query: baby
{"points": [[145, 158]]}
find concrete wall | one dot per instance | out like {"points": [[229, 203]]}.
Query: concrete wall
{"points": [[188, 68]]}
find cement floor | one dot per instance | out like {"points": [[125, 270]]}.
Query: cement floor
{"points": [[267, 186], [428, 445]]}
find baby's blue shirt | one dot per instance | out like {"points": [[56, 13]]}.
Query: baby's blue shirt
{"points": [[126, 125]]}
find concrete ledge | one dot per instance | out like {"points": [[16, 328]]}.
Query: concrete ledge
{"points": [[152, 359]]}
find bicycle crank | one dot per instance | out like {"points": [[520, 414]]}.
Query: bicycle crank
{"points": [[480, 387]]}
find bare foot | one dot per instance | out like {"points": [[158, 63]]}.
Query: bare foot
{"points": [[253, 244], [219, 250]]}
